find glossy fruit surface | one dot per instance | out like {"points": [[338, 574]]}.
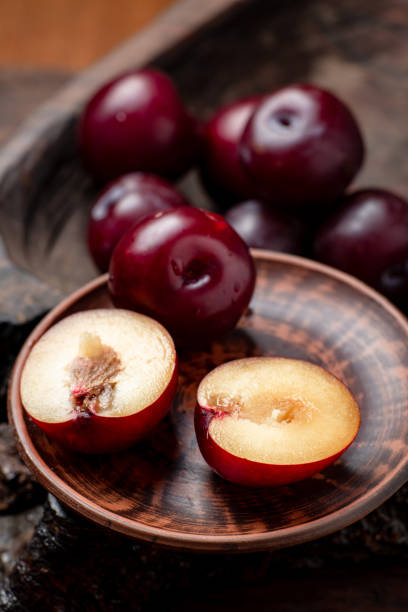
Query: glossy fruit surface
{"points": [[266, 421], [188, 269], [222, 171], [368, 238], [126, 201], [301, 146], [84, 382], [264, 227], [137, 122]]}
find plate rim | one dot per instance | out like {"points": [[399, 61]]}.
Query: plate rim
{"points": [[268, 540]]}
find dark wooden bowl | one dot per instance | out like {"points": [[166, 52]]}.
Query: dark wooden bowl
{"points": [[162, 490]]}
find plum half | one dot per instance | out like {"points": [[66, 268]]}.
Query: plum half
{"points": [[99, 380], [265, 421]]}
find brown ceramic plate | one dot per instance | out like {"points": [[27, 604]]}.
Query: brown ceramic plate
{"points": [[162, 490]]}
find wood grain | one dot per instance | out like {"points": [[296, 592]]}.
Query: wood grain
{"points": [[68, 33], [163, 491], [22, 90]]}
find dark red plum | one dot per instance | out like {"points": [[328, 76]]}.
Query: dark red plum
{"points": [[263, 227], [222, 173], [137, 122], [368, 237], [188, 269], [124, 202], [301, 147]]}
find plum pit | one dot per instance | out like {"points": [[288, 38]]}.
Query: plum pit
{"points": [[93, 372]]}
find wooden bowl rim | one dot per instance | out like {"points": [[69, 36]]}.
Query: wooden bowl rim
{"points": [[279, 538]]}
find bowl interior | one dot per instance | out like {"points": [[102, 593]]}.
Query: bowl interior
{"points": [[162, 489]]}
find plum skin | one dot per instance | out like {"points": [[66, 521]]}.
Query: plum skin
{"points": [[91, 433], [368, 238], [186, 268], [124, 202], [246, 472], [137, 121], [263, 227], [301, 147], [221, 170]]}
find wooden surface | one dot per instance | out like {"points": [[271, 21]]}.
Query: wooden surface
{"points": [[68, 34], [163, 491], [370, 589], [55, 573], [22, 90]]}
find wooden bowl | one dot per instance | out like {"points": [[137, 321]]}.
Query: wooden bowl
{"points": [[162, 490]]}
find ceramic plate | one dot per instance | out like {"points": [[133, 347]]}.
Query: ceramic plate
{"points": [[163, 491]]}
